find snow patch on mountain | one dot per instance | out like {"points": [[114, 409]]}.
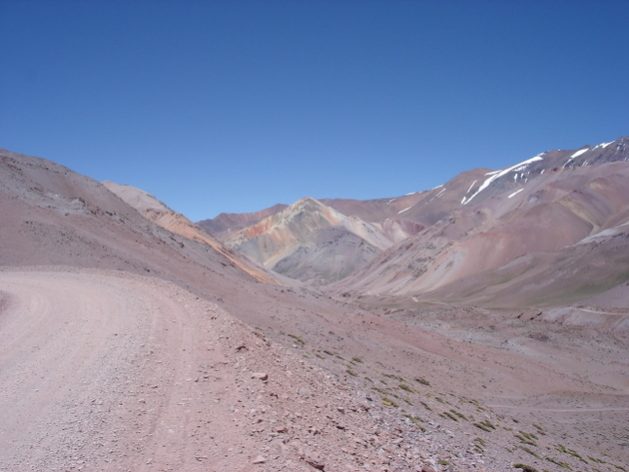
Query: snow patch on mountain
{"points": [[515, 193], [499, 173], [580, 152]]}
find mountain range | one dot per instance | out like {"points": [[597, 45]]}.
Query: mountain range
{"points": [[479, 325], [484, 236]]}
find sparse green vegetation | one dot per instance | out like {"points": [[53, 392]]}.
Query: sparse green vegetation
{"points": [[379, 390], [386, 401], [485, 425], [526, 438], [422, 381], [406, 388], [357, 360], [571, 452], [459, 414], [479, 445], [351, 372], [525, 468], [297, 339], [539, 429], [394, 377], [416, 420], [563, 465], [447, 414], [597, 460], [529, 451], [478, 406]]}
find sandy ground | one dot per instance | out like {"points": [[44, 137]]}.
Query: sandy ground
{"points": [[98, 370], [109, 371]]}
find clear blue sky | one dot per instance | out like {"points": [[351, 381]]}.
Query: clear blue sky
{"points": [[234, 106]]}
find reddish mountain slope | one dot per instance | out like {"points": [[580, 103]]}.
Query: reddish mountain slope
{"points": [[312, 241], [157, 212], [546, 204], [473, 225], [226, 223]]}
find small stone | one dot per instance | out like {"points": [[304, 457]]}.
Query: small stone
{"points": [[260, 375], [259, 460], [315, 463]]}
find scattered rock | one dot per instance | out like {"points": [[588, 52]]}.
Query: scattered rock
{"points": [[315, 463], [260, 375], [259, 460]]}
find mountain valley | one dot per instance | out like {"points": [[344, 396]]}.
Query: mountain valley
{"points": [[480, 325]]}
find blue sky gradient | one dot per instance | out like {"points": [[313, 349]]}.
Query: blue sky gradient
{"points": [[235, 106]]}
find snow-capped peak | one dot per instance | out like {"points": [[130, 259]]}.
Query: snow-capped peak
{"points": [[499, 173], [580, 152], [604, 145]]}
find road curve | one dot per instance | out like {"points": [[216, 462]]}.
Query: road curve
{"points": [[100, 371]]}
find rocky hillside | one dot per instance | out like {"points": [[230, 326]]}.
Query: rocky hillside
{"points": [[314, 242], [560, 208], [154, 210], [227, 223], [456, 238], [131, 317]]}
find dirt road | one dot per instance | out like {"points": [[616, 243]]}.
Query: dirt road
{"points": [[100, 370]]}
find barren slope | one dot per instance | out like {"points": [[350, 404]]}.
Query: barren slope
{"points": [[227, 223], [294, 239], [544, 205], [159, 213], [52, 215], [107, 371], [414, 363]]}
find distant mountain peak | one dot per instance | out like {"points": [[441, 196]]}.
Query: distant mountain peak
{"points": [[306, 203]]}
